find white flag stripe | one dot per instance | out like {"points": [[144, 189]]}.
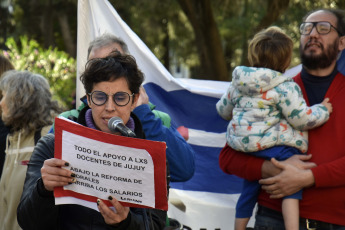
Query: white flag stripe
{"points": [[204, 87], [84, 29], [293, 71], [206, 139], [204, 210]]}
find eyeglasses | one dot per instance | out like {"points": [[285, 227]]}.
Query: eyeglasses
{"points": [[321, 28], [120, 98]]}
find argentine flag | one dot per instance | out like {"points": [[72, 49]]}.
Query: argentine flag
{"points": [[208, 200]]}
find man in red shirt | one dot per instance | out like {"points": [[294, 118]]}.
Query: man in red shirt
{"points": [[323, 178]]}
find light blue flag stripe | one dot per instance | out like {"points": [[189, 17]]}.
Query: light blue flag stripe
{"points": [[198, 112]]}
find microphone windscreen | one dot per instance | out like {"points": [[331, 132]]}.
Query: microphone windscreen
{"points": [[113, 122]]}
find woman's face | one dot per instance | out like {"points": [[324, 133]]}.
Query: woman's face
{"points": [[3, 105], [101, 114]]}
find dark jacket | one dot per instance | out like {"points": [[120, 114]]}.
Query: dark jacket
{"points": [[38, 211]]}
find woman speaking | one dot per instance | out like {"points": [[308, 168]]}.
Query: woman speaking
{"points": [[112, 88]]}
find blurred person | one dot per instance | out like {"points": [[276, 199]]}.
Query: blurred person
{"points": [[112, 89], [157, 125], [27, 107], [268, 116], [322, 207], [5, 65]]}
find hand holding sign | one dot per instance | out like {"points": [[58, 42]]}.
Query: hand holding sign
{"points": [[128, 169], [54, 176], [111, 217]]}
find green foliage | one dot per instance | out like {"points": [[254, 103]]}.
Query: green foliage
{"points": [[56, 66], [154, 22], [162, 25]]}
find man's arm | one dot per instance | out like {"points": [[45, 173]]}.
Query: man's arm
{"points": [[240, 164], [284, 177]]}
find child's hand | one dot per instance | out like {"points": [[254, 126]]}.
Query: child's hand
{"points": [[327, 104]]}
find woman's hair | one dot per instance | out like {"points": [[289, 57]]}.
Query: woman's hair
{"points": [[5, 64], [270, 48], [28, 100], [111, 68]]}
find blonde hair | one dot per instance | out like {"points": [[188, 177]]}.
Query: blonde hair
{"points": [[270, 48]]}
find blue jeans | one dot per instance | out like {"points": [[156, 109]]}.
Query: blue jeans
{"points": [[267, 219]]}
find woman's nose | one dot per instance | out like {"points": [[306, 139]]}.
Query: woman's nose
{"points": [[110, 105]]}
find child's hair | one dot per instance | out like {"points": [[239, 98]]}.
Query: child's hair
{"points": [[270, 48]]}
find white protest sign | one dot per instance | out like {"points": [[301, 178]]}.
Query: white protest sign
{"points": [[104, 169]]}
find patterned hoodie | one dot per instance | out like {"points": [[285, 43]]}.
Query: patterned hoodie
{"points": [[267, 109]]}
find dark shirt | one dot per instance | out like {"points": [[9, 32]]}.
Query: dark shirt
{"points": [[316, 87]]}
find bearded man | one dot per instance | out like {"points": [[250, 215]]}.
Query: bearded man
{"points": [[322, 179]]}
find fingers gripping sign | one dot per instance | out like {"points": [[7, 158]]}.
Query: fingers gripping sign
{"points": [[53, 175], [112, 217]]}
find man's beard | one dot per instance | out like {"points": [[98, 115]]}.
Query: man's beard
{"points": [[324, 60]]}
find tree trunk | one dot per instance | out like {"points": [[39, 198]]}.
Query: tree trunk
{"points": [[340, 4], [245, 34], [207, 39], [66, 34], [274, 9], [166, 41], [47, 25]]}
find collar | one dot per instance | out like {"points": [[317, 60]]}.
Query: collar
{"points": [[91, 124]]}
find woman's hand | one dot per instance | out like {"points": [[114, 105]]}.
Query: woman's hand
{"points": [[54, 176], [111, 217], [143, 97], [291, 179]]}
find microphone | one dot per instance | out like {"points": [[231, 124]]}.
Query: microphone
{"points": [[115, 124]]}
